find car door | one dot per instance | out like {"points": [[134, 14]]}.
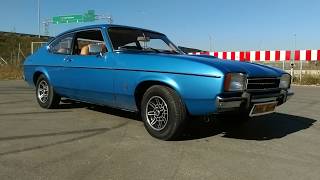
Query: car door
{"points": [[88, 72], [59, 49]]}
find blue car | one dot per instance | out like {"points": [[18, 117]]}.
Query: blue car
{"points": [[141, 70]]}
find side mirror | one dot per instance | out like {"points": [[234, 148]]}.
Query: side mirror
{"points": [[48, 48], [95, 49]]}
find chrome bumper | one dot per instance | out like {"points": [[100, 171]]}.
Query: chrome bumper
{"points": [[247, 100]]}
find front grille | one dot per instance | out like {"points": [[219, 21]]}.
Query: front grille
{"points": [[262, 83]]}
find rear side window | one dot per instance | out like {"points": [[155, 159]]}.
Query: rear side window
{"points": [[85, 40], [62, 45]]}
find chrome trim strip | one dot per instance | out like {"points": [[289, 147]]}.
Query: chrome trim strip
{"points": [[264, 100], [264, 78], [227, 103], [120, 69], [260, 114]]}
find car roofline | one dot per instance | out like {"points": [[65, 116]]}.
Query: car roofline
{"points": [[106, 26]]}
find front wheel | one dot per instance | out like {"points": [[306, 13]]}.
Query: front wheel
{"points": [[163, 112], [45, 94]]}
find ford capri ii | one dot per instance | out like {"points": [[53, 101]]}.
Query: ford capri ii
{"points": [[142, 71]]}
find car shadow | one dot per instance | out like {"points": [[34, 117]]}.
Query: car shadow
{"points": [[115, 112], [71, 104], [272, 126]]}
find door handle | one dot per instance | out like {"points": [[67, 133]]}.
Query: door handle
{"points": [[67, 59]]}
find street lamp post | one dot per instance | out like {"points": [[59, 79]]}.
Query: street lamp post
{"points": [[210, 39], [211, 43], [39, 23], [295, 47], [295, 41]]}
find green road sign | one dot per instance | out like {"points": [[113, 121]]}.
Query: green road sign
{"points": [[87, 17]]}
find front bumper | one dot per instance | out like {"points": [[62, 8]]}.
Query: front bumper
{"points": [[246, 100]]}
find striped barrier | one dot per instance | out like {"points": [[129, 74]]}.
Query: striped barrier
{"points": [[278, 55]]}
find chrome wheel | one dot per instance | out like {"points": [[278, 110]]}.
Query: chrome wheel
{"points": [[43, 91], [157, 113]]}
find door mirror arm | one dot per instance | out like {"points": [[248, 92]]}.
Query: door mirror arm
{"points": [[100, 55]]}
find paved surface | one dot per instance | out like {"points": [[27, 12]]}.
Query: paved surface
{"points": [[80, 141]]}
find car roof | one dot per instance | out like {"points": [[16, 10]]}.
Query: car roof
{"points": [[104, 26]]}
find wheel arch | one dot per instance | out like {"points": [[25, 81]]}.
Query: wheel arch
{"points": [[37, 73], [142, 87]]}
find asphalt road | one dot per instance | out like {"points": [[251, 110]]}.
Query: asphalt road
{"points": [[81, 141]]}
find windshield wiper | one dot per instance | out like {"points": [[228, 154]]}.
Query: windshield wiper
{"points": [[170, 52], [155, 50]]}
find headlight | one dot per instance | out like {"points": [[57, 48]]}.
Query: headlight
{"points": [[235, 82], [285, 81]]}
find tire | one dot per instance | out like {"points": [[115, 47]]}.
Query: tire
{"points": [[163, 112], [45, 94]]}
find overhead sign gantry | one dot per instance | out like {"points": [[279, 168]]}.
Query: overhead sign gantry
{"points": [[89, 16]]}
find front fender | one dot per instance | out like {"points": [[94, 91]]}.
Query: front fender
{"points": [[31, 71], [197, 92], [44, 71]]}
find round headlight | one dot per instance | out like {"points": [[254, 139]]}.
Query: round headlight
{"points": [[285, 81], [235, 82]]}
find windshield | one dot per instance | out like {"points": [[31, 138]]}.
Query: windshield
{"points": [[127, 39]]}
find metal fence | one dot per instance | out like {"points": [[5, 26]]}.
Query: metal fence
{"points": [[18, 52], [298, 69], [36, 45]]}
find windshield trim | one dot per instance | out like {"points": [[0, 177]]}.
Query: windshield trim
{"points": [[179, 51], [144, 51]]}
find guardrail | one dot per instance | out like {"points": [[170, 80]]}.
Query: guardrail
{"points": [[277, 55], [285, 58]]}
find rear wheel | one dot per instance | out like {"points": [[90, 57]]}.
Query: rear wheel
{"points": [[45, 94], [163, 112]]}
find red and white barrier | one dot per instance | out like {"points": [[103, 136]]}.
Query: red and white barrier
{"points": [[277, 55]]}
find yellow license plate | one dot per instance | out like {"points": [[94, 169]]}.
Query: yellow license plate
{"points": [[263, 108]]}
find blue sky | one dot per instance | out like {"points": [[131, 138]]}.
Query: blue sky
{"points": [[232, 24]]}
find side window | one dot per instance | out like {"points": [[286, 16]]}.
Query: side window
{"points": [[89, 42], [62, 45]]}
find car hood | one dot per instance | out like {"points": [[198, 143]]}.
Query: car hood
{"points": [[227, 66], [189, 64]]}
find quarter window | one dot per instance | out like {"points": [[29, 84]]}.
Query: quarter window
{"points": [[62, 45]]}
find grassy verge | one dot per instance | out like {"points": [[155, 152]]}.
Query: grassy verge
{"points": [[9, 72], [307, 79]]}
